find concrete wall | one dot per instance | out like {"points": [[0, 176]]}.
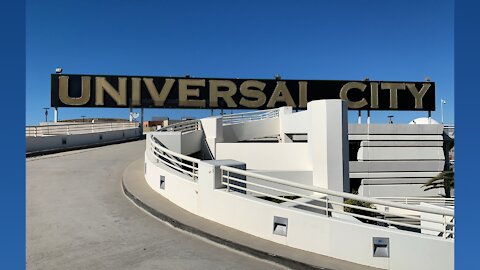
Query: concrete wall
{"points": [[332, 237], [187, 143], [192, 142], [267, 156], [43, 143], [251, 130]]}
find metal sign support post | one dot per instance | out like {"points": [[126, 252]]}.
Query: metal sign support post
{"points": [[368, 117], [429, 117], [359, 117], [55, 115], [141, 120]]}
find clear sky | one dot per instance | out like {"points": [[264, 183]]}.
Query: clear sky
{"points": [[345, 40]]}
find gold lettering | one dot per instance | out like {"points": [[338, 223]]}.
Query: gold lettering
{"points": [[136, 91], [344, 94], [374, 95], [102, 85], [418, 95], [63, 91], [393, 87], [159, 99], [226, 95], [185, 92], [302, 94], [257, 94], [281, 94]]}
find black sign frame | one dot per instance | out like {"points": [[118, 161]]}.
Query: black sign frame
{"points": [[214, 93]]}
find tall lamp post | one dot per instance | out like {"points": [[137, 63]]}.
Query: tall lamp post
{"points": [[46, 114], [442, 101], [390, 121]]}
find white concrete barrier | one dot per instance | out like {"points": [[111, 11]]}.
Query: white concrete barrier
{"points": [[334, 237], [55, 142]]}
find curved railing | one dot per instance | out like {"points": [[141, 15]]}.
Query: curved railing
{"points": [[239, 118], [325, 202], [184, 126], [314, 199], [176, 161], [80, 128]]}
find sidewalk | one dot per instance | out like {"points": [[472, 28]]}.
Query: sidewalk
{"points": [[137, 189]]}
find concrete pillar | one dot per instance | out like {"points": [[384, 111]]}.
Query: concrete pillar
{"points": [[282, 113], [210, 178], [328, 143], [213, 130]]}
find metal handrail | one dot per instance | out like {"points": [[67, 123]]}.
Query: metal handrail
{"points": [[239, 118], [337, 193], [80, 128], [168, 157], [447, 215], [418, 200], [184, 126]]}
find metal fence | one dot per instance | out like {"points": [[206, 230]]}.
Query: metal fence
{"points": [[327, 202], [239, 118], [70, 129], [185, 126], [417, 200], [181, 163]]}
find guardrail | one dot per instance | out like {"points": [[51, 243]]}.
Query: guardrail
{"points": [[181, 163], [70, 129], [325, 202], [185, 126], [239, 118], [418, 200]]}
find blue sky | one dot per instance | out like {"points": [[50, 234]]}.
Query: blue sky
{"points": [[345, 40]]}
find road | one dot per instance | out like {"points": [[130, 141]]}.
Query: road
{"points": [[78, 218]]}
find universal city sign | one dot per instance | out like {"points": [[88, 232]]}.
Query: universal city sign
{"points": [[183, 92]]}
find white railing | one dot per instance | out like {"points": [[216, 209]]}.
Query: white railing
{"points": [[70, 129], [184, 126], [417, 200], [449, 130], [239, 118], [325, 202], [176, 161]]}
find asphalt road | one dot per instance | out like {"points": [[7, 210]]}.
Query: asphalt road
{"points": [[78, 218]]}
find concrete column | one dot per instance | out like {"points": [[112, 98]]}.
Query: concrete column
{"points": [[282, 113], [210, 178], [213, 130], [328, 143]]}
